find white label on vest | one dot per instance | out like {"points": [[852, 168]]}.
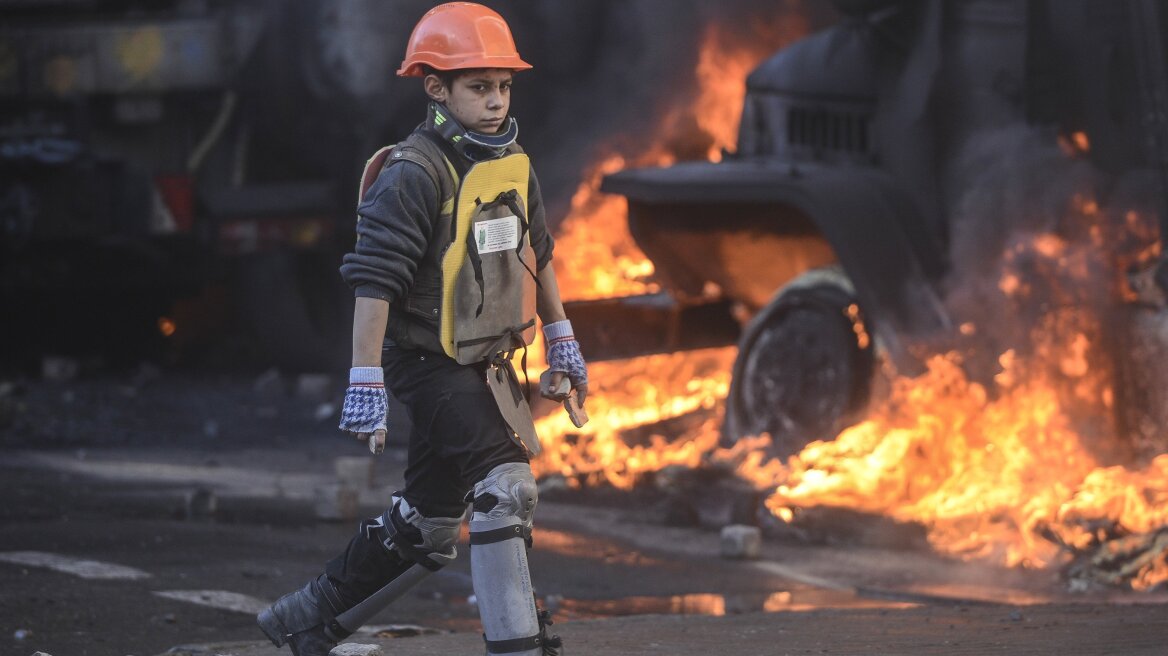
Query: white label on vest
{"points": [[497, 235]]}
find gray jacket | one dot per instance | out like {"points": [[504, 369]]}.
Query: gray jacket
{"points": [[397, 216]]}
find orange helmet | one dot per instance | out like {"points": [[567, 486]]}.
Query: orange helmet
{"points": [[460, 35]]}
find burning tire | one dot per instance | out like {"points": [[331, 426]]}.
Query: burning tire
{"points": [[804, 367]]}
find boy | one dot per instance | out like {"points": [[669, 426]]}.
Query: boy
{"points": [[451, 265]]}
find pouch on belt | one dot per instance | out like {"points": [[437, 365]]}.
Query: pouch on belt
{"points": [[504, 384]]}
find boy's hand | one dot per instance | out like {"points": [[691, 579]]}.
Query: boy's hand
{"points": [[364, 412], [376, 440], [564, 358], [554, 385]]}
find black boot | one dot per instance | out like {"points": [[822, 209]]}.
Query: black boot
{"points": [[298, 619]]}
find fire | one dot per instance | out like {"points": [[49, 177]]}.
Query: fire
{"points": [[596, 232], [986, 475], [721, 75], [636, 394], [1002, 476], [1013, 466], [596, 228], [1012, 470], [605, 262], [1075, 144]]}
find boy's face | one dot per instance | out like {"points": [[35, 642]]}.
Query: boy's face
{"points": [[479, 99]]}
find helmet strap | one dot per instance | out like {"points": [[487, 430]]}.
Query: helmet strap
{"points": [[475, 146]]}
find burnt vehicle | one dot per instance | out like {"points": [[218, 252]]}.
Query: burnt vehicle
{"points": [[831, 223]]}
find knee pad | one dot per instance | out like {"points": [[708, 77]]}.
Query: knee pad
{"points": [[508, 490], [414, 536]]}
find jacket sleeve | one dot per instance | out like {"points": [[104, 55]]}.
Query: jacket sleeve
{"points": [[541, 240], [394, 222]]}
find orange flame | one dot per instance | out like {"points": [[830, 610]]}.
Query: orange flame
{"points": [[604, 261], [632, 394], [985, 475], [1075, 144], [1012, 472], [595, 231], [989, 477]]}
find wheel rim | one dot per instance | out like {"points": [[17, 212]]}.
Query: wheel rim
{"points": [[802, 373]]}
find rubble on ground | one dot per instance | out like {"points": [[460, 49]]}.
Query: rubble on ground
{"points": [[1121, 562]]}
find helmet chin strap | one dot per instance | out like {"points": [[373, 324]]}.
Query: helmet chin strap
{"points": [[475, 146]]}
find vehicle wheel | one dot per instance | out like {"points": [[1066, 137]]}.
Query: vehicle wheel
{"points": [[803, 373]]}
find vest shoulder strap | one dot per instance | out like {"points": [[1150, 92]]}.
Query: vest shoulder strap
{"points": [[372, 169], [416, 149]]}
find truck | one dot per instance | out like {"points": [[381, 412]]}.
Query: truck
{"points": [[832, 222], [169, 167]]}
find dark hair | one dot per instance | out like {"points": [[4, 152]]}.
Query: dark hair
{"points": [[449, 77]]}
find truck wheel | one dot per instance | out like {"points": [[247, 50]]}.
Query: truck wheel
{"points": [[803, 372]]}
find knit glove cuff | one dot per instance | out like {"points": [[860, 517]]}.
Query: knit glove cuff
{"points": [[365, 401], [559, 331], [563, 352], [367, 376]]}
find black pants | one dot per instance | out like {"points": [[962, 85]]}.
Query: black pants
{"points": [[459, 436]]}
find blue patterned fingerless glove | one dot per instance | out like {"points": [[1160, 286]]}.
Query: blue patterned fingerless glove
{"points": [[365, 401], [563, 352]]}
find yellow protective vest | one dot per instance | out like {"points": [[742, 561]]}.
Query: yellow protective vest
{"points": [[474, 291], [489, 268]]}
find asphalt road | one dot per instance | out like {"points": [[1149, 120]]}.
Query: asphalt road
{"points": [[108, 508], [142, 516]]}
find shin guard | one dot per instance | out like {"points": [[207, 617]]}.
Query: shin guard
{"points": [[349, 621], [500, 530]]}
